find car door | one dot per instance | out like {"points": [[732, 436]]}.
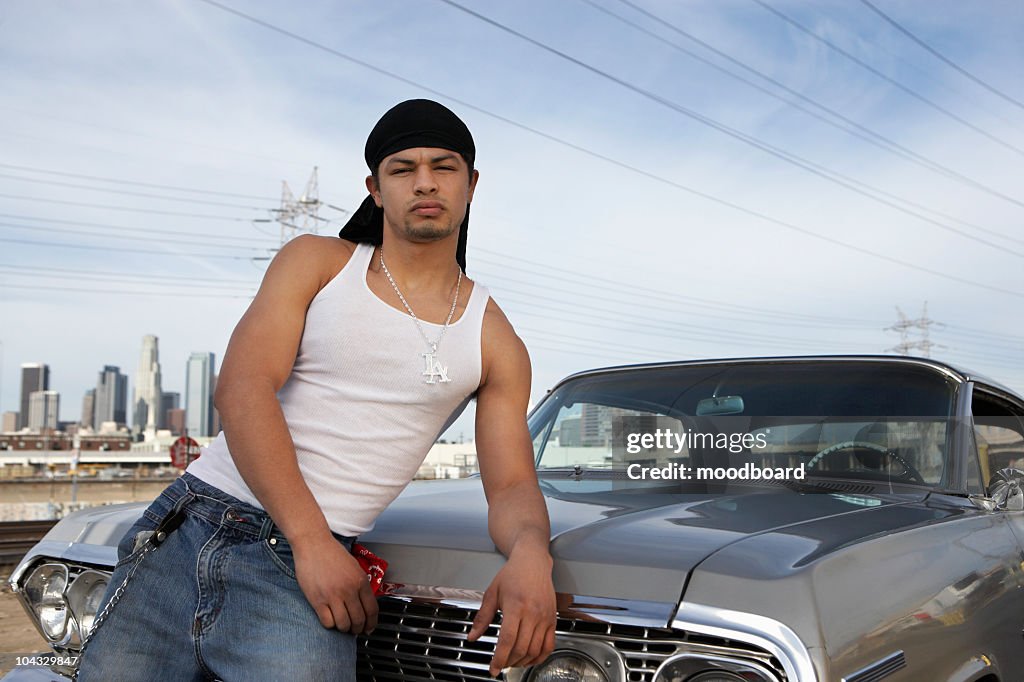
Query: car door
{"points": [[998, 426]]}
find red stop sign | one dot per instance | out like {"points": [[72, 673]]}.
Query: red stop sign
{"points": [[183, 451]]}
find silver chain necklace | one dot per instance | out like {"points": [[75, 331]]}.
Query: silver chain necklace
{"points": [[433, 370]]}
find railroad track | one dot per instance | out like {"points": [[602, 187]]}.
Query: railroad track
{"points": [[17, 537]]}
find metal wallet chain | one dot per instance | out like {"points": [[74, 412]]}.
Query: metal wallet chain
{"points": [[165, 527]]}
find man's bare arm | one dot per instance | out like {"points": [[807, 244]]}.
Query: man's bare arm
{"points": [[259, 359], [517, 516]]}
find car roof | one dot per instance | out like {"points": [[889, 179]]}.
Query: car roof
{"points": [[959, 374]]}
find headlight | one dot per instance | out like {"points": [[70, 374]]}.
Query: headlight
{"points": [[65, 607], [716, 676], [44, 591], [691, 667], [568, 666], [84, 597]]}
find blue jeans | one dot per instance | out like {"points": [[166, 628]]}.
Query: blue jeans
{"points": [[216, 600]]}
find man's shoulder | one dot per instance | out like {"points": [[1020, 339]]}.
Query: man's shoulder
{"points": [[502, 348], [316, 257], [321, 247]]}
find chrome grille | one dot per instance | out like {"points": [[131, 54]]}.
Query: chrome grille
{"points": [[427, 641]]}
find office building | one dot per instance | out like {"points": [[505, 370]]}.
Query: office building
{"points": [[199, 394], [169, 400], [176, 421], [10, 422], [111, 397], [88, 409], [35, 376], [43, 410], [148, 393]]}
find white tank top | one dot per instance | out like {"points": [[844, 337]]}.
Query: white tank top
{"points": [[357, 404]]}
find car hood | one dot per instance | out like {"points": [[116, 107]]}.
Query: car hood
{"points": [[618, 544], [634, 546]]}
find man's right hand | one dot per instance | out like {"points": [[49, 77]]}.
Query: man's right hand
{"points": [[335, 585]]}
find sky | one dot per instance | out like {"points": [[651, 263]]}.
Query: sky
{"points": [[659, 180]]}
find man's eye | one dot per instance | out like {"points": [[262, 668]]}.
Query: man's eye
{"points": [[400, 171], [446, 168]]}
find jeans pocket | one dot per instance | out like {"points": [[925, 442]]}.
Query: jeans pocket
{"points": [[280, 553], [133, 542]]}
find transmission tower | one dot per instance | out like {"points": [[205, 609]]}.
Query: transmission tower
{"points": [[914, 333], [302, 214]]}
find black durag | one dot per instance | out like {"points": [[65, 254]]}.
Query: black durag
{"points": [[413, 123]]}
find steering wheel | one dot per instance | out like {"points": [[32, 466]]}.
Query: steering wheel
{"points": [[912, 473]]}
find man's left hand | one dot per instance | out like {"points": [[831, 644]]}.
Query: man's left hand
{"points": [[524, 593]]}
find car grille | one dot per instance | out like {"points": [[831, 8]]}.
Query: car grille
{"points": [[426, 641]]}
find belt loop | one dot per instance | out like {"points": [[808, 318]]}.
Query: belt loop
{"points": [[267, 528], [182, 501]]}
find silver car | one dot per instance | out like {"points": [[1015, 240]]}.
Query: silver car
{"points": [[797, 519]]}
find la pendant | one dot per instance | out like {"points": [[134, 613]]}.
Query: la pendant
{"points": [[433, 370]]}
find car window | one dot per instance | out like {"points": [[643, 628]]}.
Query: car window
{"points": [[875, 422], [998, 432], [585, 433]]}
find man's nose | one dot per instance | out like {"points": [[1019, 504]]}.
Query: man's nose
{"points": [[426, 183]]}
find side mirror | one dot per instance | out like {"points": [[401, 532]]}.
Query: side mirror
{"points": [[1006, 489]]}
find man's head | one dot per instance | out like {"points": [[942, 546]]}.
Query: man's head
{"points": [[420, 157], [418, 123]]}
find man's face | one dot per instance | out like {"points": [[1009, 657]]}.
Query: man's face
{"points": [[424, 192]]}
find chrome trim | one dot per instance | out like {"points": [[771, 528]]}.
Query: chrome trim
{"points": [[878, 670], [961, 440], [426, 639], [597, 651], [101, 556], [733, 665], [571, 606], [760, 631]]}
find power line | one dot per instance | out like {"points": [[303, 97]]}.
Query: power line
{"points": [[136, 183], [893, 81], [608, 284], [865, 133], [188, 200], [148, 252], [122, 208], [603, 157], [134, 133], [147, 230], [940, 56], [126, 292], [823, 172], [124, 280], [191, 278], [133, 237], [647, 326]]}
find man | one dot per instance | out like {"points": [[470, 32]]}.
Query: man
{"points": [[349, 362]]}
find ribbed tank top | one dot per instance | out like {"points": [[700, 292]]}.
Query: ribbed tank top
{"points": [[359, 410]]}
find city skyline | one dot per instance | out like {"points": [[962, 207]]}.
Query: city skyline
{"points": [[40, 376]]}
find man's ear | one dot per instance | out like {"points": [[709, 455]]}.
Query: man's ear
{"points": [[472, 184], [374, 190]]}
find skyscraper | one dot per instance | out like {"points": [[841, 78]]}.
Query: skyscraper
{"points": [[170, 400], [43, 410], [35, 376], [88, 409], [148, 393], [111, 397], [199, 394]]}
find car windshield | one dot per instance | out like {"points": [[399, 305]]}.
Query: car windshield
{"points": [[799, 423]]}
